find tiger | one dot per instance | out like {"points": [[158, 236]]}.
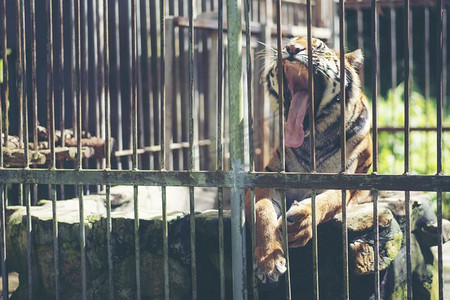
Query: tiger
{"points": [[269, 256]]}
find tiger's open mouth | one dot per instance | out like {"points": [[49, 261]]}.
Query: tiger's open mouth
{"points": [[296, 75]]}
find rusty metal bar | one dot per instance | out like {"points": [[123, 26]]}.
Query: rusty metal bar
{"points": [[134, 103], [375, 65], [163, 147], [407, 92], [224, 179]]}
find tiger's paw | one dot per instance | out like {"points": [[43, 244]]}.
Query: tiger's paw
{"points": [[299, 224], [270, 264]]}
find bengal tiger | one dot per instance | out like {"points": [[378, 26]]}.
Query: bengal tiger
{"points": [[269, 256]]}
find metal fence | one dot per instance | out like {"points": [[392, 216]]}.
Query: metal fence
{"points": [[182, 132]]}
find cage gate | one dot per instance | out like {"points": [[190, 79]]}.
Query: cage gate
{"points": [[149, 78]]}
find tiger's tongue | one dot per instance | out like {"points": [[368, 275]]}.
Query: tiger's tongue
{"points": [[293, 130]]}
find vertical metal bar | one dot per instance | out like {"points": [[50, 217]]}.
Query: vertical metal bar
{"points": [[3, 98], [134, 78], [238, 251], [393, 47], [62, 85], [117, 82], [191, 145], [79, 77], [312, 167], [407, 91], [439, 105], [62, 88], [247, 12], [51, 137], [20, 83], [107, 120], [343, 149], [32, 15], [282, 147], [23, 131], [163, 147], [375, 64], [426, 13], [219, 145], [73, 68]]}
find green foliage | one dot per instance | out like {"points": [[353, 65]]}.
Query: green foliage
{"points": [[423, 151], [422, 145]]}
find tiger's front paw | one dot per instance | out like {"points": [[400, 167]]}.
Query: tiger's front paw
{"points": [[270, 263], [299, 223]]}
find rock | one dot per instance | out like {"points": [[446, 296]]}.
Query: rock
{"points": [[391, 221], [361, 238]]}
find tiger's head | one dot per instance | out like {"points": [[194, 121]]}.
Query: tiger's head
{"points": [[326, 72]]}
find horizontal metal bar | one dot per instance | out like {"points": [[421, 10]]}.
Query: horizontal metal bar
{"points": [[356, 4], [225, 179], [424, 129]]}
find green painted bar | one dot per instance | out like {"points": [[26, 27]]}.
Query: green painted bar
{"points": [[236, 147], [225, 179]]}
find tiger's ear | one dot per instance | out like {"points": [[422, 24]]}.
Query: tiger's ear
{"points": [[355, 58]]}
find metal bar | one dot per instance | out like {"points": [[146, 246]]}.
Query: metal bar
{"points": [[281, 119], [73, 68], [51, 137], [62, 85], [5, 277], [4, 81], [191, 145], [117, 82], [236, 147], [163, 147], [224, 179], [3, 97], [439, 105], [23, 132], [219, 145], [342, 71], [107, 120], [393, 47], [79, 78], [134, 78], [32, 14], [375, 81], [312, 163], [247, 12], [407, 91]]}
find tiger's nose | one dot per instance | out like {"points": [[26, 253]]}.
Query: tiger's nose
{"points": [[292, 49]]}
